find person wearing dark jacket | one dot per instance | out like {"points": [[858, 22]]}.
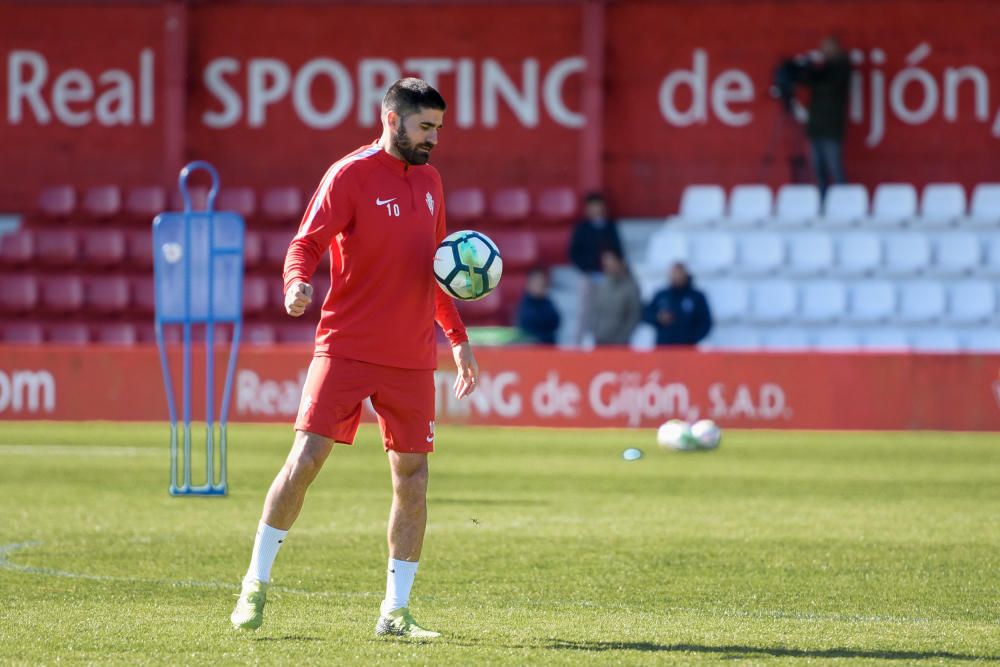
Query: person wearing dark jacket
{"points": [[829, 81], [537, 317], [594, 234], [680, 312]]}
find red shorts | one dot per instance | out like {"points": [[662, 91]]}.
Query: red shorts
{"points": [[403, 399]]}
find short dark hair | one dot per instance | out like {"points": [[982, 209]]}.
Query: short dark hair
{"points": [[591, 197], [410, 95]]}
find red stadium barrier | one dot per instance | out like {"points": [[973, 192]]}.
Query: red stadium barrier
{"points": [[536, 387]]}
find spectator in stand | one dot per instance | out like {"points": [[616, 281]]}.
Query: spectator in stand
{"points": [[537, 317], [679, 312], [828, 76], [595, 233], [615, 306]]}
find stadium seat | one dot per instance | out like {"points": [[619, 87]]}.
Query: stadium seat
{"points": [[935, 340], [643, 338], [282, 205], [56, 247], [115, 333], [921, 302], [62, 294], [465, 206], [956, 253], [253, 249], [984, 210], [275, 247], [242, 201], [198, 195], [57, 202], [809, 253], [143, 294], [518, 249], [295, 332], [836, 340], [702, 205], [140, 248], [981, 339], [102, 202], [18, 293], [17, 248], [942, 204], [971, 301], [906, 253], [666, 247], [785, 338], [553, 245], [146, 333], [483, 310], [761, 253], [556, 205], [258, 333], [894, 204], [991, 256], [871, 302], [145, 202], [255, 295], [796, 206], [22, 333], [732, 338], [728, 300], [749, 205], [107, 294], [68, 333], [858, 254], [885, 340], [509, 205], [712, 253], [822, 301], [773, 301], [845, 205], [104, 246]]}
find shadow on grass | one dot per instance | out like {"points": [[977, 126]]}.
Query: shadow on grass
{"points": [[288, 638], [776, 651]]}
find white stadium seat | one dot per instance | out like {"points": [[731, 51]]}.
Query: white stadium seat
{"points": [[845, 205], [906, 253], [749, 205], [643, 337], [871, 302], [834, 340], [733, 338], [773, 301], [822, 301], [935, 340], [921, 301], [971, 301], [702, 205], [981, 339], [797, 205], [785, 338], [894, 204], [942, 204], [991, 256], [859, 253], [728, 300], [666, 247], [809, 253], [885, 340], [761, 253], [984, 209], [956, 253], [712, 253]]}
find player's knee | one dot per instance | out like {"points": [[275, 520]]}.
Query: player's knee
{"points": [[411, 480], [308, 457]]}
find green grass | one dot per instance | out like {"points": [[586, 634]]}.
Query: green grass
{"points": [[544, 547]]}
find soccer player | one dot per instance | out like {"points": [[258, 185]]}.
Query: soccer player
{"points": [[379, 211]]}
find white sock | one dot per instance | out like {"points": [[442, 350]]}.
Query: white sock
{"points": [[265, 549], [398, 582]]}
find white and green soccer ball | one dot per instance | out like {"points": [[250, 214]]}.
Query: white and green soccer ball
{"points": [[467, 265], [676, 434], [706, 433]]}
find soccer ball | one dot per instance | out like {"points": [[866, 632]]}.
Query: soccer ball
{"points": [[467, 265], [676, 434], [706, 433]]}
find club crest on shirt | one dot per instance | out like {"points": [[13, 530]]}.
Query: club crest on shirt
{"points": [[430, 203]]}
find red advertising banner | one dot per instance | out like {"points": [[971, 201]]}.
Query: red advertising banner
{"points": [[539, 387], [273, 92]]}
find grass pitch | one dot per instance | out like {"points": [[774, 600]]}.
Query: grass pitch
{"points": [[544, 547]]}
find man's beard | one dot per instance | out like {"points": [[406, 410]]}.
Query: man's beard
{"points": [[413, 154]]}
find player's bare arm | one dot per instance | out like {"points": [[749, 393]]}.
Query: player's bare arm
{"points": [[468, 370], [297, 298]]}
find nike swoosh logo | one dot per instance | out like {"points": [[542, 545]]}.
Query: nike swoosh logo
{"points": [[383, 202], [430, 438]]}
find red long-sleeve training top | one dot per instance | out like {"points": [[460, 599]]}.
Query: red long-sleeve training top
{"points": [[381, 219]]}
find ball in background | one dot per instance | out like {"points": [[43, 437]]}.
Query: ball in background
{"points": [[676, 434], [706, 433], [467, 265]]}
